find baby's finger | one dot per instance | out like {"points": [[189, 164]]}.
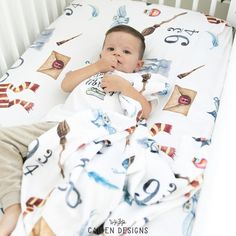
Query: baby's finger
{"points": [[103, 84]]}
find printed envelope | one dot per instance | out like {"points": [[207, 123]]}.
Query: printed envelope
{"points": [[180, 100], [54, 64]]}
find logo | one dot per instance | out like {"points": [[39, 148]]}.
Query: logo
{"points": [[118, 226]]}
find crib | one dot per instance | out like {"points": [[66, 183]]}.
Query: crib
{"points": [[207, 212], [28, 26]]}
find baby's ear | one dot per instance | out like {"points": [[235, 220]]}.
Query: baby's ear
{"points": [[139, 65]]}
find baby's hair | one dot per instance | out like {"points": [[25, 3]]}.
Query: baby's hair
{"points": [[132, 31]]}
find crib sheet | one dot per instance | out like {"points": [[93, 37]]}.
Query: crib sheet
{"points": [[218, 194], [189, 48]]}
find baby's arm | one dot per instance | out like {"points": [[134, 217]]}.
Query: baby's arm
{"points": [[115, 83], [74, 78]]}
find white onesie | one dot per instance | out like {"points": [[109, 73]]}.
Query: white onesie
{"points": [[89, 95]]}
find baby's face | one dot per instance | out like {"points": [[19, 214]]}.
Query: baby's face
{"points": [[125, 47]]}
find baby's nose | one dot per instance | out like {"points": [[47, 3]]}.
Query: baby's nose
{"points": [[116, 53]]}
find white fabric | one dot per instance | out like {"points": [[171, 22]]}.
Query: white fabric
{"points": [[188, 48], [89, 94], [217, 202], [161, 57], [85, 156]]}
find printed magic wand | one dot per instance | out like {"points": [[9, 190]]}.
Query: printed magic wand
{"points": [[67, 40]]}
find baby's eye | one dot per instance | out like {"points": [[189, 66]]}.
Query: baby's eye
{"points": [[110, 49], [127, 52]]}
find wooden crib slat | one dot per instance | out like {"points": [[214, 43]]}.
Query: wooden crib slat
{"points": [[61, 5], [67, 2], [31, 19], [195, 5], [177, 3], [7, 35], [43, 20], [3, 65], [213, 7], [231, 17], [21, 30], [52, 10]]}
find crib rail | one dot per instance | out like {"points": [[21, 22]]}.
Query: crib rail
{"points": [[216, 8], [231, 16], [22, 21]]}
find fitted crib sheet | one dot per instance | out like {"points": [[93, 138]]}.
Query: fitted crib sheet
{"points": [[217, 194], [32, 85], [190, 49]]}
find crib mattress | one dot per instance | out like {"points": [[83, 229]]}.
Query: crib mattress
{"points": [[189, 49], [217, 194]]}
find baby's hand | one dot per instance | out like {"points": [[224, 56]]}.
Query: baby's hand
{"points": [[106, 64], [114, 83]]}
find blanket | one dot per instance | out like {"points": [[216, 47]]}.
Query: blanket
{"points": [[99, 172]]}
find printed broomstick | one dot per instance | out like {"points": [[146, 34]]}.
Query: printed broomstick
{"points": [[194, 182], [67, 40], [62, 130], [180, 76], [145, 77], [151, 29]]}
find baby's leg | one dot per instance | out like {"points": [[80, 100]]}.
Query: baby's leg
{"points": [[14, 143], [9, 219]]}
